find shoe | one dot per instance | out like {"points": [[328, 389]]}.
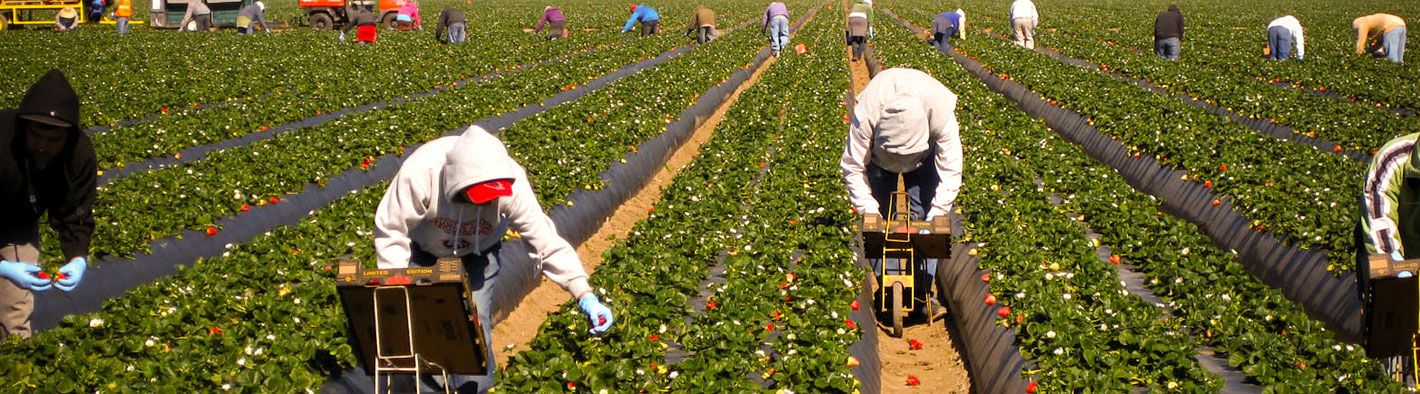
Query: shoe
{"points": [[939, 312]]}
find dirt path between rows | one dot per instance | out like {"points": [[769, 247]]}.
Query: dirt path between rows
{"points": [[522, 324], [937, 366]]}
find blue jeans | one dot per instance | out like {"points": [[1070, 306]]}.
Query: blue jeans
{"points": [[456, 33], [1279, 39], [482, 279], [779, 32], [921, 186], [1167, 48], [942, 41], [1394, 43], [122, 25]]}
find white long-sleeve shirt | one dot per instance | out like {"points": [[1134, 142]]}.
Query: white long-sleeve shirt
{"points": [[940, 105], [1295, 27], [420, 208], [1025, 9]]}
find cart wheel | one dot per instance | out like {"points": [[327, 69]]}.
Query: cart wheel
{"points": [[320, 21], [896, 310], [389, 21], [4, 23]]}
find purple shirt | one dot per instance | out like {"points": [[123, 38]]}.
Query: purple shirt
{"points": [[775, 9], [552, 15]]}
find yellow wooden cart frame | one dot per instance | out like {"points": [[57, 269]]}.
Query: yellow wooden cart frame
{"points": [[10, 12]]}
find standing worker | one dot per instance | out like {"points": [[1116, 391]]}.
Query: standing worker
{"points": [[776, 21], [408, 17], [456, 197], [946, 25], [198, 13], [859, 28], [452, 20], [66, 20], [703, 24], [250, 16], [1390, 220], [1024, 19], [1382, 35], [49, 168], [555, 22], [904, 123], [365, 25], [648, 18], [1168, 33], [1282, 34], [122, 13]]}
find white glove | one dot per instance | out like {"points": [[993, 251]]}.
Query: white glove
{"points": [[342, 36]]}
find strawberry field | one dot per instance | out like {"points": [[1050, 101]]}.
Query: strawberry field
{"points": [[1125, 223]]}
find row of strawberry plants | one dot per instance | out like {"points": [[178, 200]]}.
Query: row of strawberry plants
{"points": [[701, 215], [1268, 337], [1297, 191], [1354, 127], [1072, 314], [192, 195]]}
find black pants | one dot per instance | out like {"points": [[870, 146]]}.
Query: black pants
{"points": [[555, 30], [859, 43], [650, 27]]}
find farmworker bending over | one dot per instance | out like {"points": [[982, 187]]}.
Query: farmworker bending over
{"points": [[251, 16], [66, 20], [96, 10], [452, 20], [1380, 35], [1282, 33], [904, 123], [776, 22], [197, 11], [946, 25], [49, 167], [859, 27], [703, 24], [456, 197], [366, 26], [648, 18], [408, 17], [555, 22], [1168, 31], [1024, 19]]}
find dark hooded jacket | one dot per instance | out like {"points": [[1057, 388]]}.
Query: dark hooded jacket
{"points": [[1169, 24], [65, 188]]}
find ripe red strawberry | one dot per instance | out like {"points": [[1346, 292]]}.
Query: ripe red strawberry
{"points": [[990, 299], [1217, 203], [916, 345], [62, 276], [571, 386], [985, 277], [1223, 167], [854, 305], [655, 337], [769, 327], [712, 305], [274, 200], [211, 230], [1030, 388], [601, 320], [1003, 311], [1208, 184], [214, 331], [850, 323], [1114, 259], [913, 381], [1336, 149], [43, 275], [245, 208]]}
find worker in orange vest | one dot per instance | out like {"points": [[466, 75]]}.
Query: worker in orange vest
{"points": [[122, 13]]}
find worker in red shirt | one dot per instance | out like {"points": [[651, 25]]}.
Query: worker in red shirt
{"points": [[365, 25]]}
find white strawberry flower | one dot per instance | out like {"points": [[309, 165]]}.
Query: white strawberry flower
{"points": [[1050, 334], [1058, 351], [96, 322]]}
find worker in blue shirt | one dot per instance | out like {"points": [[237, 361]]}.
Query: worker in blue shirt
{"points": [[946, 25], [647, 16]]}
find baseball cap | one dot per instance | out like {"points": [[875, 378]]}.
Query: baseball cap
{"points": [[487, 191]]}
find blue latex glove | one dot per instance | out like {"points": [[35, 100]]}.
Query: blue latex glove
{"points": [[72, 272], [1395, 256], [23, 274], [596, 311], [342, 36]]}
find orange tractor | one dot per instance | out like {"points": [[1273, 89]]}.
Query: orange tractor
{"points": [[330, 14]]}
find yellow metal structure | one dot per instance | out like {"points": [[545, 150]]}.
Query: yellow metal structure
{"points": [[21, 12]]}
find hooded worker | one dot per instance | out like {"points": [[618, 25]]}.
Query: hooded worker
{"points": [[66, 20], [1168, 33], [1390, 218], [904, 124], [702, 24], [451, 20], [458, 196], [555, 22], [49, 168], [649, 19], [1380, 35], [408, 17], [250, 16]]}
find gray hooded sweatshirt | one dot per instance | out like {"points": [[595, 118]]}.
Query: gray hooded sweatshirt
{"points": [[420, 207]]}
